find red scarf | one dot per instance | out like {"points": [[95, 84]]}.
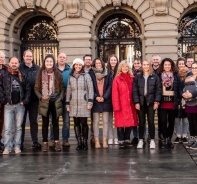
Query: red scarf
{"points": [[127, 78], [15, 72]]}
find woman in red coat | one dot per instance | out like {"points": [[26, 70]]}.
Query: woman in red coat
{"points": [[124, 108]]}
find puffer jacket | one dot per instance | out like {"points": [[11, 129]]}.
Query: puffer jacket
{"points": [[44, 104], [25, 90], [79, 94], [153, 89], [124, 109]]}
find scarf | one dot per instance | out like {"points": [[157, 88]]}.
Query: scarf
{"points": [[183, 73], [167, 79], [76, 75], [15, 72], [99, 73], [47, 84]]}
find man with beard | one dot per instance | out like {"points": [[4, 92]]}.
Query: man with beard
{"points": [[189, 62]]}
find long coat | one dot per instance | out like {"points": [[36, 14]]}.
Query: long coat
{"points": [[105, 106], [44, 104], [124, 109], [79, 94]]}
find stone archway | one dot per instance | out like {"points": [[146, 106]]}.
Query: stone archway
{"points": [[14, 14]]}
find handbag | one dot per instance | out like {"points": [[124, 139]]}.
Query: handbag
{"points": [[53, 97]]}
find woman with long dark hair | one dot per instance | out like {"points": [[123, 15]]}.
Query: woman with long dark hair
{"points": [[49, 90], [79, 101], [112, 65], [102, 83], [171, 99]]}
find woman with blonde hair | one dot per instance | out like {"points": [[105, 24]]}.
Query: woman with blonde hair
{"points": [[146, 96], [124, 109]]}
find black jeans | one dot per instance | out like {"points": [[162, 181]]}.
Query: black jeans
{"points": [[124, 133], [167, 118], [55, 123], [192, 118], [32, 108], [146, 109]]}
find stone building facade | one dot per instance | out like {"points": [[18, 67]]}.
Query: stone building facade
{"points": [[128, 28]]}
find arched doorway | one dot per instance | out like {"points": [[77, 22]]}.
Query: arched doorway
{"points": [[187, 43], [119, 34], [39, 34]]}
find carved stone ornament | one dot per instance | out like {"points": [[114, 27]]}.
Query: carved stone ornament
{"points": [[161, 7], [30, 3], [73, 8], [116, 2]]}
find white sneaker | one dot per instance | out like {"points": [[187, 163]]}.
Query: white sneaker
{"points": [[110, 141], [140, 144], [152, 144], [116, 141], [6, 152]]}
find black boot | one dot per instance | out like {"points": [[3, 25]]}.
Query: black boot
{"points": [[163, 143], [170, 145], [78, 137], [85, 137]]}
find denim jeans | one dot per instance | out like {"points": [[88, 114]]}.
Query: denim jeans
{"points": [[112, 132], [13, 118], [65, 127], [181, 127]]}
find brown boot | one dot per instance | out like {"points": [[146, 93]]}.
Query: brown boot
{"points": [[105, 145], [97, 144], [57, 146], [45, 146]]}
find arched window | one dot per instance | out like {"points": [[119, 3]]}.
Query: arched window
{"points": [[39, 34], [187, 43], [119, 34]]}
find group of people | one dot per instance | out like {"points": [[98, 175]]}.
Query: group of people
{"points": [[92, 89]]}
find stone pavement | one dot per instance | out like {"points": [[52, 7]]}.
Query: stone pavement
{"points": [[96, 166]]}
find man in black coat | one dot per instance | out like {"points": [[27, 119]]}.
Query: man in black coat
{"points": [[30, 69]]}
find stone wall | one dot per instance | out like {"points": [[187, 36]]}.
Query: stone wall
{"points": [[78, 22]]}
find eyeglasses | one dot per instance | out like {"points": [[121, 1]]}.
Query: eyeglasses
{"points": [[194, 68]]}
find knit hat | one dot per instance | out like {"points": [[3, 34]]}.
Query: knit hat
{"points": [[78, 60]]}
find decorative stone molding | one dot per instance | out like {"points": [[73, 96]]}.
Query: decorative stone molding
{"points": [[161, 7], [30, 4], [116, 2], [73, 8]]}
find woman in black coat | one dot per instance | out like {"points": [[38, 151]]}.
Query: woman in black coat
{"points": [[171, 99], [102, 84], [146, 96]]}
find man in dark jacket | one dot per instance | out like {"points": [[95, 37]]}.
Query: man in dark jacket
{"points": [[30, 69], [3, 70], [16, 95]]}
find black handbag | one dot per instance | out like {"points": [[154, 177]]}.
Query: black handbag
{"points": [[53, 97]]}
